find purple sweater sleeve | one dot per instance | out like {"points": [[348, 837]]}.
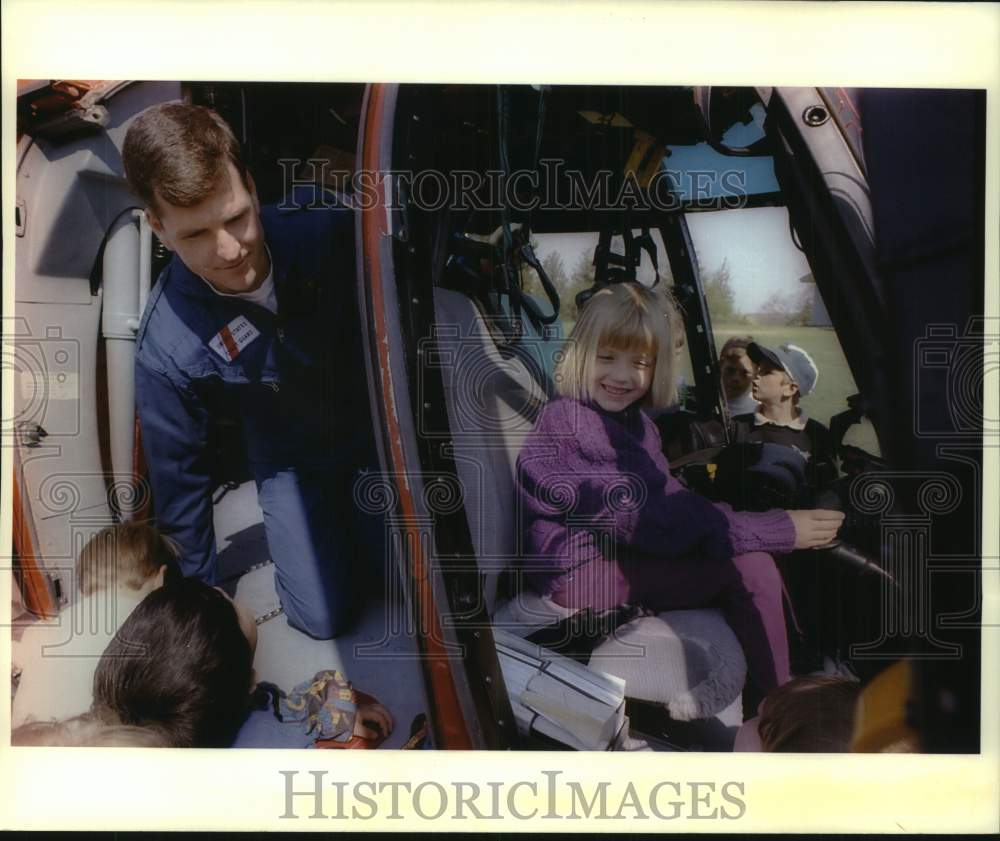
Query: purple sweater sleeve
{"points": [[767, 531], [582, 465]]}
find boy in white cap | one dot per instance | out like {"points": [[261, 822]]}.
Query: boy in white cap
{"points": [[784, 375]]}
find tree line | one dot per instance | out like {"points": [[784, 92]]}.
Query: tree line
{"points": [[781, 308]]}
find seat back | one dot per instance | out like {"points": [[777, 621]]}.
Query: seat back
{"points": [[493, 394]]}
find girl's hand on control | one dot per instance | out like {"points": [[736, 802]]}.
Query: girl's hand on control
{"points": [[815, 527]]}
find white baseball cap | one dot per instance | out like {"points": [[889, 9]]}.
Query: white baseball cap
{"points": [[791, 359]]}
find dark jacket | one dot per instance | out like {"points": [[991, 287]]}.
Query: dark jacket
{"points": [[813, 442]]}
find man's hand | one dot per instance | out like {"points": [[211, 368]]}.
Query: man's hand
{"points": [[373, 714], [815, 527]]}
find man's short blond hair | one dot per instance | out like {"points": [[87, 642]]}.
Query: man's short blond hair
{"points": [[627, 317], [124, 555]]}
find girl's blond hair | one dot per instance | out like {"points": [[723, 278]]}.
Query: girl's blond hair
{"points": [[627, 317]]}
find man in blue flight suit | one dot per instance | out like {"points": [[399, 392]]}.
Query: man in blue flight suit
{"points": [[254, 312]]}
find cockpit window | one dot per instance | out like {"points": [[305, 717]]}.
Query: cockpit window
{"points": [[568, 259], [703, 176], [757, 283]]}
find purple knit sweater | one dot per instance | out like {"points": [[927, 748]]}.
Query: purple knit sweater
{"points": [[586, 476]]}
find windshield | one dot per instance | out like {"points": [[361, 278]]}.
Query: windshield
{"points": [[759, 285]]}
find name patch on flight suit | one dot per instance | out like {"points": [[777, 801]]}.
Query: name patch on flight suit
{"points": [[232, 338]]}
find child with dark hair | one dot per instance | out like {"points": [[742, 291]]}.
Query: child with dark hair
{"points": [[736, 369], [183, 664], [811, 714], [116, 569]]}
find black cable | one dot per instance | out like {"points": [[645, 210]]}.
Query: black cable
{"points": [[512, 286]]}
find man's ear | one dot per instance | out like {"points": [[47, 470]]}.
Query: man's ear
{"points": [[160, 574], [157, 227]]}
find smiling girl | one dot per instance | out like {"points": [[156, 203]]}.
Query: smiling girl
{"points": [[605, 523]]}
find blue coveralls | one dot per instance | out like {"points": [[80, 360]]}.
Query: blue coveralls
{"points": [[299, 388]]}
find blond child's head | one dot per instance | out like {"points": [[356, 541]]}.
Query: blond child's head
{"points": [[132, 556], [87, 731], [629, 326]]}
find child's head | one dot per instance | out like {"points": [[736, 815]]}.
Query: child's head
{"points": [[128, 555], [735, 367], [812, 714], [182, 662], [783, 373], [86, 731], [621, 351]]}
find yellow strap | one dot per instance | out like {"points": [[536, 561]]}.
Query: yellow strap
{"points": [[880, 714]]}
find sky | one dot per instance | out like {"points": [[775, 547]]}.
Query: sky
{"points": [[762, 257]]}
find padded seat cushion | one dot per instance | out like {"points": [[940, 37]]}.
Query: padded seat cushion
{"points": [[688, 660]]}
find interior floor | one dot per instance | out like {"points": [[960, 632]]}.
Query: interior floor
{"points": [[378, 656]]}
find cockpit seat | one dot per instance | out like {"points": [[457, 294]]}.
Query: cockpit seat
{"points": [[690, 660]]}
